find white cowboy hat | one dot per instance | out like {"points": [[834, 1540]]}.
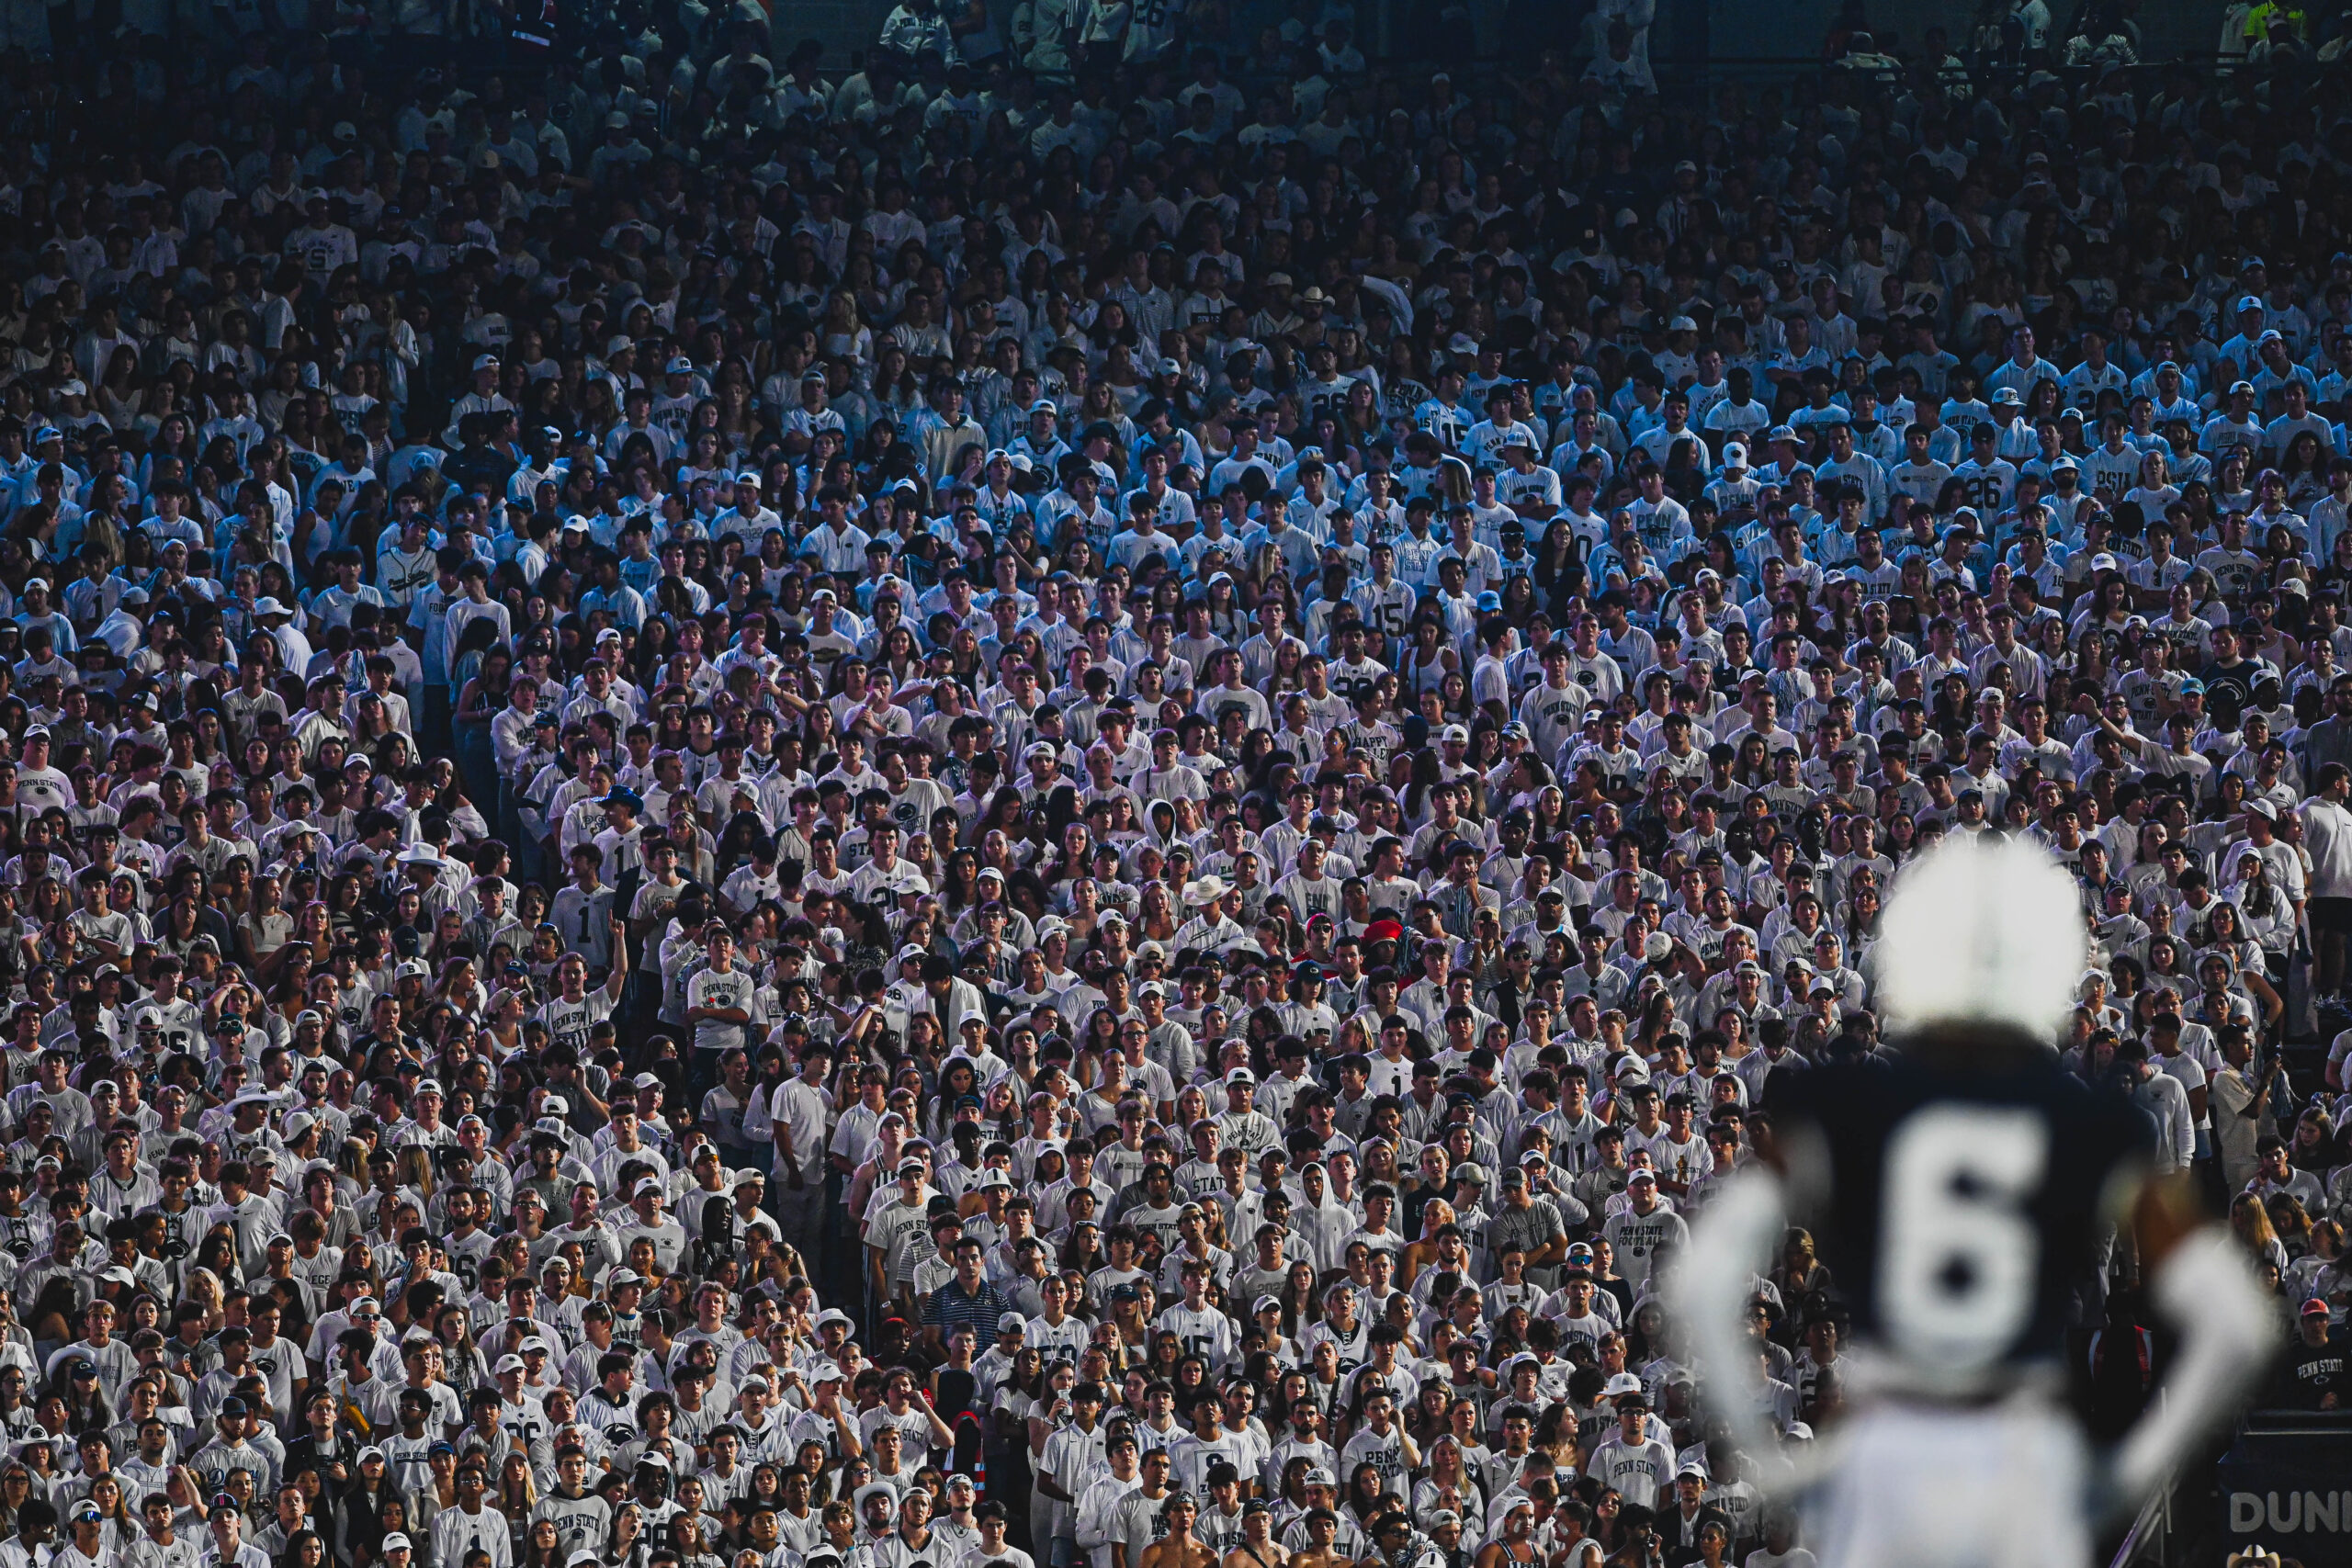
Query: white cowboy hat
{"points": [[1207, 890]]}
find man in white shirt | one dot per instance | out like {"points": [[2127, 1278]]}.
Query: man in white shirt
{"points": [[471, 1524], [2327, 838], [2162, 1096]]}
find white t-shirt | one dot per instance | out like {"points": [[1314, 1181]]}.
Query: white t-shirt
{"points": [[712, 989], [2192, 1074], [38, 789]]}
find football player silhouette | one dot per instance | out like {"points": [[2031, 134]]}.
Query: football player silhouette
{"points": [[1963, 1186]]}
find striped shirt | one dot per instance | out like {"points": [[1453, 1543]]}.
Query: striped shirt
{"points": [[950, 1307]]}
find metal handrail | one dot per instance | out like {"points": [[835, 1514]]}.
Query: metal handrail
{"points": [[2271, 1421], [2151, 1529]]}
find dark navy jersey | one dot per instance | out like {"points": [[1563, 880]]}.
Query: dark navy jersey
{"points": [[1959, 1208]]}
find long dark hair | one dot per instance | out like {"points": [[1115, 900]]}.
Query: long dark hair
{"points": [[364, 1513]]}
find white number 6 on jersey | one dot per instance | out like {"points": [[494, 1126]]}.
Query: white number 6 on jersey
{"points": [[1957, 1257]]}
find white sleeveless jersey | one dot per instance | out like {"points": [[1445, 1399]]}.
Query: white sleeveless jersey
{"points": [[568, 1022]]}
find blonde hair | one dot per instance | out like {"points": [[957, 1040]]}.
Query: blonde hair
{"points": [[505, 1480], [98, 529], [412, 1168], [2251, 1221]]}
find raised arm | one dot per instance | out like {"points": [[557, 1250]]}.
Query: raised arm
{"points": [[613, 982]]}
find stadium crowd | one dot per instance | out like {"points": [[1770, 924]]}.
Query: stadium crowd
{"points": [[1057, 799]]}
